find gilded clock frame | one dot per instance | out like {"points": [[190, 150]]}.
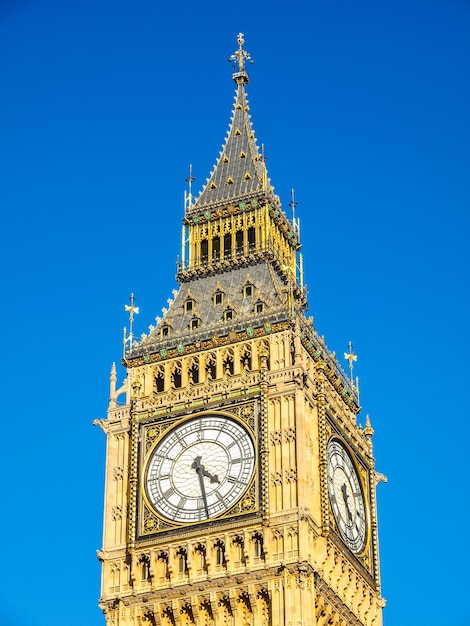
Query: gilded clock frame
{"points": [[150, 521], [362, 475]]}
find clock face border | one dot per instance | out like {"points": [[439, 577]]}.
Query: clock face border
{"points": [[244, 480], [357, 499]]}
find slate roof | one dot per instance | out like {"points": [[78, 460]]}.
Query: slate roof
{"points": [[267, 288], [239, 171]]}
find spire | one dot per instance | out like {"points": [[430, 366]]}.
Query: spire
{"points": [[240, 172]]}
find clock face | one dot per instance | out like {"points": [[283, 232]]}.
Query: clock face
{"points": [[346, 497], [199, 469]]}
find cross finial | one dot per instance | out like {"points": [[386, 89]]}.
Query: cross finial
{"points": [[132, 310], [188, 196], [351, 357], [293, 203], [238, 58]]}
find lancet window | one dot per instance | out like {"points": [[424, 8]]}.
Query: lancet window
{"points": [[176, 375], [228, 362], [193, 371], [211, 367], [159, 380]]}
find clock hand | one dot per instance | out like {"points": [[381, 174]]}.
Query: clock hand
{"points": [[213, 477], [345, 498], [196, 465]]}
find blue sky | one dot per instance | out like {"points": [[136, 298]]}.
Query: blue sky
{"points": [[363, 109]]}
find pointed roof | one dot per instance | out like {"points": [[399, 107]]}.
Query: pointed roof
{"points": [[240, 169]]}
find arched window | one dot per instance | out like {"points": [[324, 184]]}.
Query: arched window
{"points": [[159, 381], [193, 373], [258, 551], [228, 363], [176, 376], [211, 370], [219, 554], [181, 562]]}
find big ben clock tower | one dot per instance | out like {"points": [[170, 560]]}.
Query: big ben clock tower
{"points": [[240, 487]]}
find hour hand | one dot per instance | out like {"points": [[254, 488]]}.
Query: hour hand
{"points": [[200, 469]]}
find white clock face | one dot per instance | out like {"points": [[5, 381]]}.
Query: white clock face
{"points": [[346, 497], [199, 469]]}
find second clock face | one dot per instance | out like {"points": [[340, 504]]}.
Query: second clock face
{"points": [[346, 497], [199, 469]]}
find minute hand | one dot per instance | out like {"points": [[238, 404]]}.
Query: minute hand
{"points": [[201, 472]]}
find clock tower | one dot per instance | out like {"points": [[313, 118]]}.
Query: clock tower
{"points": [[240, 487]]}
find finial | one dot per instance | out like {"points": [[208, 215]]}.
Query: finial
{"points": [[351, 357], [188, 195], [132, 310], [238, 58], [263, 158], [368, 430], [293, 203], [190, 179]]}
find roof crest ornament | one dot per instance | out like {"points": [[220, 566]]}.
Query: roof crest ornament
{"points": [[238, 58]]}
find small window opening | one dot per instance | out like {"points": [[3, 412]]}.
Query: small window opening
{"points": [[248, 291], [211, 370], [204, 250], [251, 238], [159, 382], [216, 248], [220, 553], [193, 374], [165, 331], [228, 365], [176, 378], [228, 246], [239, 241], [218, 297]]}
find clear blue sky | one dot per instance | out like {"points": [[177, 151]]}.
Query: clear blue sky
{"points": [[363, 108]]}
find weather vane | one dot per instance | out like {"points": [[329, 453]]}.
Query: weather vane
{"points": [[293, 203], [188, 196], [132, 310], [239, 57], [351, 357]]}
